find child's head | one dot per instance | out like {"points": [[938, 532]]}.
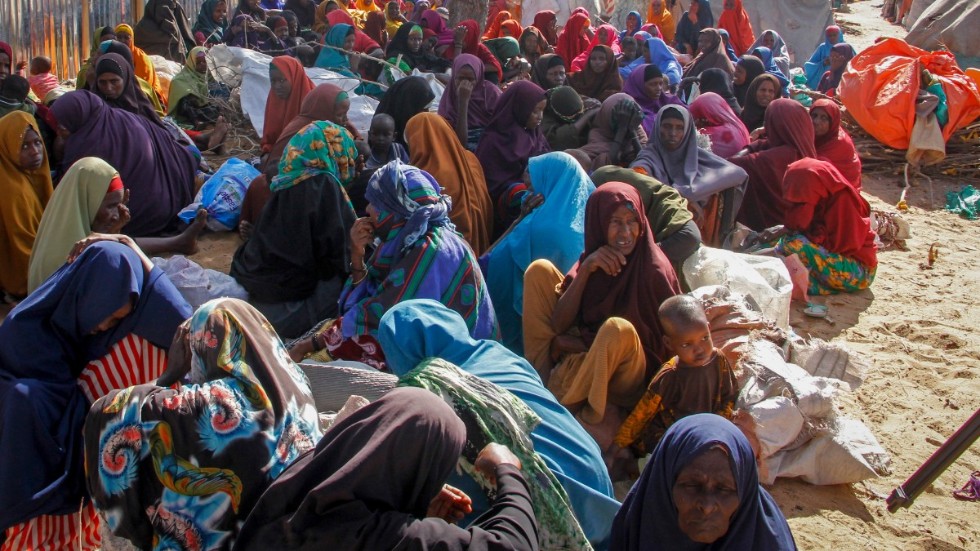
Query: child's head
{"points": [[14, 89], [382, 133], [628, 45], [686, 330], [40, 65]]}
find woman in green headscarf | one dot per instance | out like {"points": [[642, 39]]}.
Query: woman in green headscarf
{"points": [[188, 102], [211, 22]]}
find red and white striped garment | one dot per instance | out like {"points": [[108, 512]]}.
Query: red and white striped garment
{"points": [[131, 361]]}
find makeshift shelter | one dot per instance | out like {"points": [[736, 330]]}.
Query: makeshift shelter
{"points": [[948, 24]]}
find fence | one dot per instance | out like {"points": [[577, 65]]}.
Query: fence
{"points": [[60, 29]]}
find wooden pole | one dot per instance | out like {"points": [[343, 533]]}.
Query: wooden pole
{"points": [[138, 6], [86, 39]]}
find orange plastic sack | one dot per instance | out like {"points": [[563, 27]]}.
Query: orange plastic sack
{"points": [[880, 85]]}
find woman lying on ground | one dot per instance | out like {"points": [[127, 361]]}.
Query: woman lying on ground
{"points": [[92, 199], [700, 490], [385, 505], [593, 334], [295, 263], [557, 191], [102, 321], [205, 469], [416, 330], [420, 255], [25, 180]]}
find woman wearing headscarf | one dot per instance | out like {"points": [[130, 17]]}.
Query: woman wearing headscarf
{"points": [[513, 136], [711, 54], [572, 39], [780, 55], [719, 82], [251, 8], [760, 94], [747, 69], [819, 61], [729, 51], [403, 100], [203, 466], [470, 44], [469, 102], [617, 132], [434, 149], [546, 21], [735, 20], [375, 27], [610, 297], [765, 54], [657, 53], [605, 35], [697, 18], [333, 56], [553, 231], [419, 329], [711, 184], [430, 19], [534, 45], [164, 31], [789, 138], [659, 14], [646, 85], [305, 11], [493, 24], [100, 35], [548, 71], [26, 187], [319, 498], [249, 33], [296, 261], [290, 85], [599, 78], [102, 321], [159, 171], [141, 63], [118, 87], [407, 43], [828, 227], [714, 116], [840, 54], [189, 100], [632, 24], [510, 28], [667, 505], [566, 122], [420, 255], [667, 212], [393, 17], [209, 29], [833, 143], [362, 42]]}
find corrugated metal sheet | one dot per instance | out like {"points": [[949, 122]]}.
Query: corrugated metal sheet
{"points": [[54, 27]]}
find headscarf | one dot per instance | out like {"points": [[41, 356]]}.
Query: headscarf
{"points": [[434, 22], [570, 40], [493, 29], [335, 60], [26, 194], [398, 46], [780, 55], [729, 51], [507, 144], [663, 20], [636, 28], [45, 343], [542, 22], [564, 107], [318, 105], [512, 27], [504, 48], [543, 47], [828, 210], [753, 114], [612, 41], [6, 49], [483, 101], [415, 330], [661, 56], [649, 514], [189, 82], [158, 171], [132, 99], [697, 174], [320, 148], [687, 32], [713, 56], [719, 82], [403, 100], [473, 46], [322, 498], [278, 112], [753, 67], [392, 25], [836, 145], [420, 256], [815, 67], [374, 25], [736, 21], [539, 73], [830, 79], [554, 231], [305, 13], [362, 42], [636, 87], [636, 292], [765, 54], [727, 132], [598, 85], [206, 450], [602, 135], [666, 209], [213, 32], [141, 63], [164, 30], [434, 148]]}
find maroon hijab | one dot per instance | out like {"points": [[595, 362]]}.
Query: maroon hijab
{"points": [[636, 293]]}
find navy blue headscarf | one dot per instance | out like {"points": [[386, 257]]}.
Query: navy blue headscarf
{"points": [[45, 343], [648, 518], [765, 54]]}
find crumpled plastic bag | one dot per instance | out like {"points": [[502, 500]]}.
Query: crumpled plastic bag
{"points": [[196, 284], [222, 195], [849, 454], [966, 203]]}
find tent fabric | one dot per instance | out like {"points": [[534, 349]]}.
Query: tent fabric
{"points": [[949, 24], [880, 86]]}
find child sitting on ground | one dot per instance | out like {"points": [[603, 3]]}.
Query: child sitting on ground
{"points": [[42, 80], [697, 380]]}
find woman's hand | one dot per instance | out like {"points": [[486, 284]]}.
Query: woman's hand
{"points": [[361, 235], [459, 35], [355, 61], [450, 504], [604, 258], [80, 246], [464, 89], [491, 457], [179, 357], [757, 134]]}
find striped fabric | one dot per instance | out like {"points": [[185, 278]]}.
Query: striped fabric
{"points": [[131, 361]]}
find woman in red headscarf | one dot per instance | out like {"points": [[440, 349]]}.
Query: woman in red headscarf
{"points": [[289, 87], [546, 21], [736, 21], [572, 40], [470, 44], [605, 35], [493, 25], [833, 143]]}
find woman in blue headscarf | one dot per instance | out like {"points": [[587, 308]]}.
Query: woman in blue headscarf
{"points": [[726, 39], [106, 318], [701, 459], [657, 53], [633, 23], [765, 54], [339, 36], [418, 329], [554, 230], [819, 62]]}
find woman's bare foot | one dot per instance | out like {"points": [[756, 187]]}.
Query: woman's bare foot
{"points": [[245, 230], [186, 242], [217, 138]]}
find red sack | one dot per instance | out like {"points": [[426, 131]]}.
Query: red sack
{"points": [[881, 83]]}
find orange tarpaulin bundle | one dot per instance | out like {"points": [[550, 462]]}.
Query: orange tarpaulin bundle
{"points": [[880, 85]]}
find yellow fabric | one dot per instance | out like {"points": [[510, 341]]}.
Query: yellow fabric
{"points": [[143, 68], [611, 372], [25, 194], [664, 21]]}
